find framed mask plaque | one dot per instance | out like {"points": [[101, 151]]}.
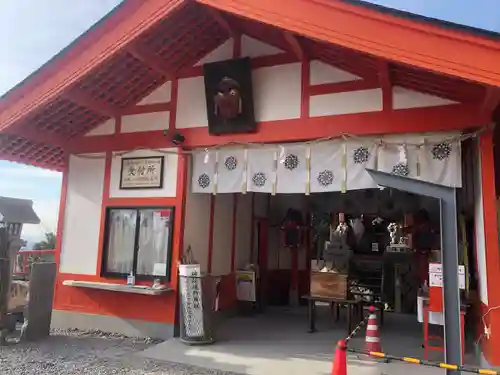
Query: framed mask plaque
{"points": [[229, 97]]}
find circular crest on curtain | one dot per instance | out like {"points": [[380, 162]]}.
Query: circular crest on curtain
{"points": [[203, 180], [401, 169], [325, 178], [361, 155], [291, 162], [441, 151], [259, 179], [231, 163]]}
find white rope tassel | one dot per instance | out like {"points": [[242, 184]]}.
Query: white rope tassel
{"points": [[216, 173], [275, 172], [245, 169], [403, 154], [343, 189], [308, 170]]}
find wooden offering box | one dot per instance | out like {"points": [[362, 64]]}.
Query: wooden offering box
{"points": [[328, 284]]}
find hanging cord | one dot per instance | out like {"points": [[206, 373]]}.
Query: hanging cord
{"points": [[343, 136]]}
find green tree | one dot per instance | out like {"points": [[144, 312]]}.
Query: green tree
{"points": [[49, 243]]}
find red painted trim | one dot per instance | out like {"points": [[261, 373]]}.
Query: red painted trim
{"points": [[236, 46], [147, 201], [256, 63], [333, 88], [383, 35], [491, 241], [445, 118], [305, 88], [62, 211], [105, 199], [233, 234], [147, 108], [252, 229], [174, 93], [180, 214], [211, 223]]}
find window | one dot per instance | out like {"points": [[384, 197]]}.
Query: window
{"points": [[138, 240]]}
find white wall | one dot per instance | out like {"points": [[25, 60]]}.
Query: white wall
{"points": [[161, 95], [82, 216], [145, 122], [343, 103], [277, 92], [169, 176], [222, 235], [404, 98], [196, 225], [323, 73], [106, 128], [479, 232]]}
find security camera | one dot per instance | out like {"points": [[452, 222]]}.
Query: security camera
{"points": [[178, 139]]}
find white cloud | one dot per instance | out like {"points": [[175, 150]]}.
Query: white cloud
{"points": [[25, 171], [48, 212]]}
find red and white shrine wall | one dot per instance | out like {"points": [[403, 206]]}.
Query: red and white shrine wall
{"points": [[218, 228]]}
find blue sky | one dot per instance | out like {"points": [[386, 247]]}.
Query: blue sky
{"points": [[32, 31]]}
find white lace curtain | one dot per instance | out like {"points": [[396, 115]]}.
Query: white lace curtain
{"points": [[338, 165], [153, 245]]}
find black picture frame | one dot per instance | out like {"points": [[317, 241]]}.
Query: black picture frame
{"points": [[107, 226], [240, 71], [162, 171]]}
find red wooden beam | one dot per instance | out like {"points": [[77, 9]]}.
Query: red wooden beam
{"points": [[150, 59], [147, 108], [85, 100], [222, 21], [294, 44], [441, 118], [333, 88], [385, 82], [491, 99]]}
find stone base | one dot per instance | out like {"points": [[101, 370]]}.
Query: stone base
{"points": [[112, 324]]}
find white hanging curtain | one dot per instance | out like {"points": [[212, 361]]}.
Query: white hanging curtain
{"points": [[440, 160], [261, 173], [203, 177], [327, 173], [292, 168], [231, 170], [338, 165], [398, 155], [361, 154]]}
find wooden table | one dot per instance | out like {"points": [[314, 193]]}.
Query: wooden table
{"points": [[354, 310]]}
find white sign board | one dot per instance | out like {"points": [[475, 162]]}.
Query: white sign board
{"points": [[436, 275], [191, 299], [245, 286]]}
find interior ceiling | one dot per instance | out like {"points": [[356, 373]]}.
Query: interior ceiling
{"points": [[176, 44]]}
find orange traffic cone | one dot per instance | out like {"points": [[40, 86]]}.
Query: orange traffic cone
{"points": [[372, 343], [340, 360]]}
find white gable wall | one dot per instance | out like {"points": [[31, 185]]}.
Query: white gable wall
{"points": [[82, 215]]}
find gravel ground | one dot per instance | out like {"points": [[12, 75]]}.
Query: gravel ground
{"points": [[89, 352]]}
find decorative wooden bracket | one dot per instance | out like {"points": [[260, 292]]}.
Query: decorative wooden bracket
{"points": [[150, 59], [294, 44], [491, 99], [384, 76], [83, 99]]}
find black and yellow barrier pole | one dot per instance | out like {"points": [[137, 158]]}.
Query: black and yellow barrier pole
{"points": [[417, 361]]}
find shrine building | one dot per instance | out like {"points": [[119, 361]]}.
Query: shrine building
{"points": [[255, 134]]}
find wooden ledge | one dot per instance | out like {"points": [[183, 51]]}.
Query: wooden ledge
{"points": [[135, 289]]}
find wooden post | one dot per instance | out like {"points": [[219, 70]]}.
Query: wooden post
{"points": [[5, 274]]}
